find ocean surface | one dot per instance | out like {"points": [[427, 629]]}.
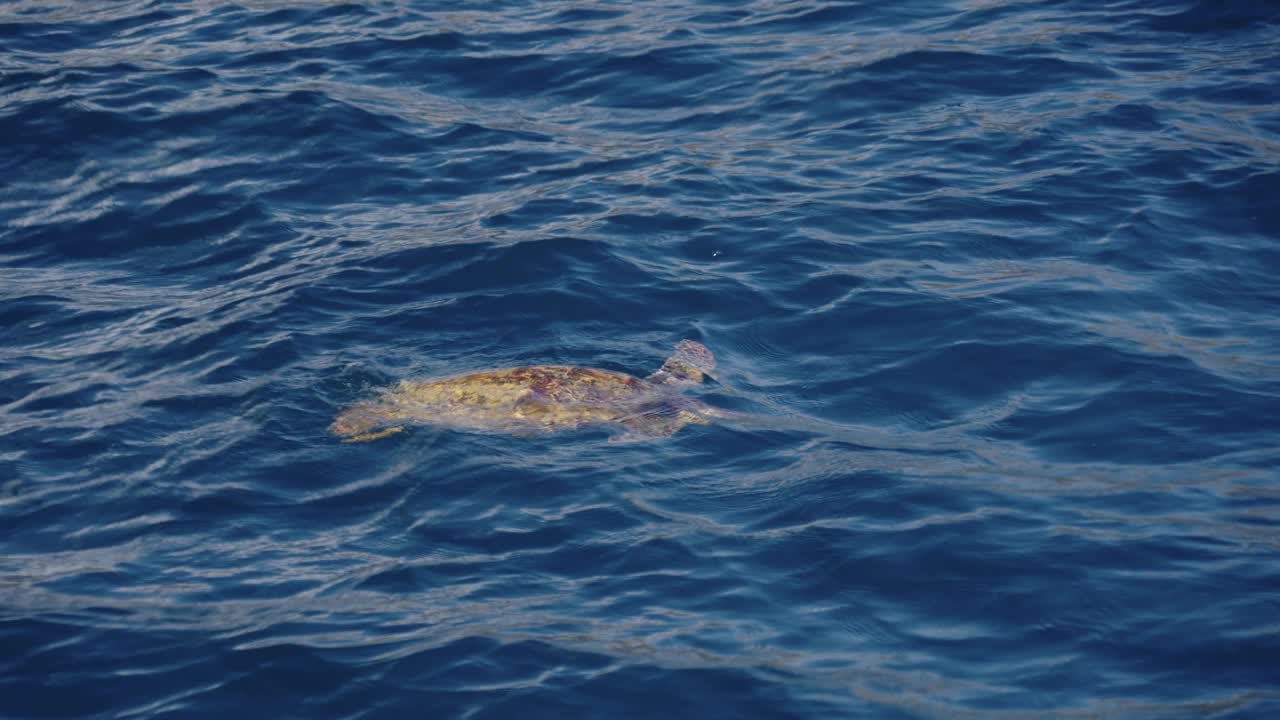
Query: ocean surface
{"points": [[992, 286]]}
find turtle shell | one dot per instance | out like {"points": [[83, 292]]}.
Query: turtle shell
{"points": [[539, 398]]}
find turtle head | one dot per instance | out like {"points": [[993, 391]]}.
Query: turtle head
{"points": [[690, 363]]}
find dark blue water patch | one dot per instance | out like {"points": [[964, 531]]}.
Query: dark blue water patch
{"points": [[905, 81], [1254, 193], [585, 14], [296, 17], [50, 653], [78, 397], [65, 128], [1243, 93], [822, 18], [470, 135], [309, 115], [239, 508], [651, 80], [393, 56], [1183, 419], [42, 317], [1223, 17], [49, 38], [532, 213], [292, 667], [600, 691]]}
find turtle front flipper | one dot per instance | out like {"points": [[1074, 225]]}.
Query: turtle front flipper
{"points": [[687, 366]]}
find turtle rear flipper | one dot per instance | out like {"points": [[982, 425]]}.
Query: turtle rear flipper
{"points": [[657, 424], [642, 432], [367, 421], [376, 435]]}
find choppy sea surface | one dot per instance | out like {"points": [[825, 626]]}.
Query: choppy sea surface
{"points": [[997, 281]]}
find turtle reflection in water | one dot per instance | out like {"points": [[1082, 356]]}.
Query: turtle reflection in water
{"points": [[542, 398]]}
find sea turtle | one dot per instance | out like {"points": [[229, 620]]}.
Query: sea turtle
{"points": [[542, 398]]}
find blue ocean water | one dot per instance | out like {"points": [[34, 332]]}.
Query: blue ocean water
{"points": [[997, 278]]}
